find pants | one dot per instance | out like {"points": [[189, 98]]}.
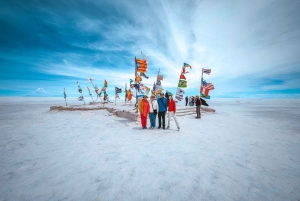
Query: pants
{"points": [[144, 120], [162, 115], [186, 103], [171, 114], [198, 111], [152, 118]]}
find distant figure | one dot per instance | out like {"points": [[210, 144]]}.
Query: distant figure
{"points": [[153, 111], [172, 111], [191, 101], [186, 100], [198, 106], [162, 108], [144, 109], [167, 95]]}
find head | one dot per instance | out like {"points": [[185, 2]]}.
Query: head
{"points": [[145, 97], [152, 97], [161, 95], [170, 97]]}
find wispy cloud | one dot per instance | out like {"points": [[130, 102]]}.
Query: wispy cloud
{"points": [[240, 41]]}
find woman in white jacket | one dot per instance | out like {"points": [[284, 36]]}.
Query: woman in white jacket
{"points": [[153, 111]]}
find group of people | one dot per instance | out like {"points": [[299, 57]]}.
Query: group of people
{"points": [[158, 107]]}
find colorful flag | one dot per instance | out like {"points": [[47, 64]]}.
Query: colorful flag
{"points": [[118, 90], [141, 65], [105, 83], [130, 80], [160, 77], [187, 65], [206, 71], [182, 83], [90, 79]]}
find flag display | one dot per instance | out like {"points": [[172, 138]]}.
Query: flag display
{"points": [[118, 90], [206, 71], [182, 82], [141, 65]]}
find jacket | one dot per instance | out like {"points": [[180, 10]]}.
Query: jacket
{"points": [[172, 106], [144, 107], [198, 102], [155, 105], [162, 104]]}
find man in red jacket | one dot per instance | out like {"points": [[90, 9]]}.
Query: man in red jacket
{"points": [[172, 111]]}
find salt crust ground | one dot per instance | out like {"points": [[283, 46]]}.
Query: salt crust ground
{"points": [[249, 149]]}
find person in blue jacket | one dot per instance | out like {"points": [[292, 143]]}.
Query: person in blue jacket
{"points": [[162, 109]]}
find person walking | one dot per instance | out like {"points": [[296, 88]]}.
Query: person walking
{"points": [[186, 100], [144, 109], [153, 111], [172, 111], [162, 108], [198, 106]]}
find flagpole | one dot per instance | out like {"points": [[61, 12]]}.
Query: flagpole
{"points": [[201, 82], [125, 92], [136, 98], [65, 96]]}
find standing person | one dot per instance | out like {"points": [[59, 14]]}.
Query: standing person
{"points": [[162, 108], [167, 95], [172, 111], [153, 111], [144, 109], [198, 106], [186, 100]]}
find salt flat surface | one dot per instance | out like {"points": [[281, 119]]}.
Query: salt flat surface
{"points": [[249, 149]]}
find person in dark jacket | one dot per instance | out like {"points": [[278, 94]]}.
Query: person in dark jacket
{"points": [[198, 106], [167, 95], [186, 100], [162, 109]]}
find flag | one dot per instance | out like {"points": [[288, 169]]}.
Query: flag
{"points": [[90, 79], [160, 77], [206, 71], [187, 65], [144, 75], [130, 80], [141, 65], [103, 89], [204, 83], [118, 90], [105, 83], [95, 87], [182, 83], [80, 98], [65, 95], [158, 82]]}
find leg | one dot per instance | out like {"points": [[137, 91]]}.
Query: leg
{"points": [[200, 111], [169, 117], [174, 117], [159, 119], [164, 119], [154, 120], [142, 120]]}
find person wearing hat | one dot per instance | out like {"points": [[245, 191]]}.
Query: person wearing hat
{"points": [[198, 106], [153, 111], [172, 111], [144, 109], [162, 108]]}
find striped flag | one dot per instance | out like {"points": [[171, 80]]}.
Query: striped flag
{"points": [[206, 71]]}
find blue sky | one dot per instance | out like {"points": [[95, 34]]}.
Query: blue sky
{"points": [[253, 48]]}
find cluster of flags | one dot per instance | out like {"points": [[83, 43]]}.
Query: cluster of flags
{"points": [[182, 82], [141, 66], [206, 87], [157, 88], [98, 94]]}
